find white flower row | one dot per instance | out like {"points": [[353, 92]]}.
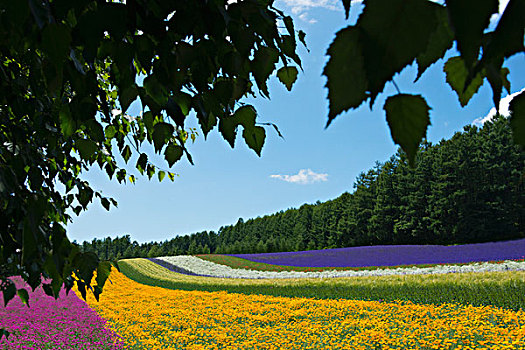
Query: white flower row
{"points": [[204, 267]]}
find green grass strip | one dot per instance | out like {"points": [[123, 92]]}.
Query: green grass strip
{"points": [[241, 263], [500, 289]]}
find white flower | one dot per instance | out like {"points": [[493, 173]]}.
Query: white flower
{"points": [[204, 267]]}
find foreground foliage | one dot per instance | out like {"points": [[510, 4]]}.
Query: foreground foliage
{"points": [[392, 34], [69, 70], [499, 289], [156, 318]]}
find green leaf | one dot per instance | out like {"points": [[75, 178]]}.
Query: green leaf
{"points": [[246, 116], [173, 153], [68, 126], [469, 18], [127, 96], [263, 65], [254, 138], [439, 42], [497, 78], [346, 5], [81, 288], [9, 291], [94, 130], [288, 23], [393, 34], [161, 134], [507, 38], [55, 42], [142, 163], [86, 148], [346, 78], [126, 153], [228, 129], [517, 119], [110, 131], [161, 174], [105, 203], [302, 36], [150, 170], [456, 76], [408, 119], [287, 76], [23, 295], [103, 271], [85, 265], [156, 90]]}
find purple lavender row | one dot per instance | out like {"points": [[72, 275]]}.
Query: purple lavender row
{"points": [[65, 323], [174, 268], [395, 255]]}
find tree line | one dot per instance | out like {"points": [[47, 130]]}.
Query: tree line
{"points": [[467, 189]]}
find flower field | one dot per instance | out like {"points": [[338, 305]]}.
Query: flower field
{"points": [[158, 318], [66, 323], [501, 289], [187, 302], [196, 266], [393, 255]]}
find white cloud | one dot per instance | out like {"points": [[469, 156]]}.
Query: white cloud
{"points": [[503, 109], [502, 5], [298, 6], [304, 177], [301, 8]]}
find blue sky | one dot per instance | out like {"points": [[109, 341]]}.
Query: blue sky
{"points": [[311, 163]]}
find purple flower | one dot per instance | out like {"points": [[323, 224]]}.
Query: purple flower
{"points": [[394, 255]]}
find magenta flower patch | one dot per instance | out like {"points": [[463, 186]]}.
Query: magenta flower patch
{"points": [[66, 323]]}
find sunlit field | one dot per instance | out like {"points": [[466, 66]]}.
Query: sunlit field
{"points": [[149, 317]]}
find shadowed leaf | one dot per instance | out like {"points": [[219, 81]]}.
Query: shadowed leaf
{"points": [[393, 34], [287, 76], [254, 138], [346, 78], [228, 129], [172, 154], [456, 76], [23, 295], [161, 134], [263, 65], [469, 18], [408, 119], [439, 42], [55, 42], [86, 148], [103, 271], [346, 5], [517, 119], [9, 291]]}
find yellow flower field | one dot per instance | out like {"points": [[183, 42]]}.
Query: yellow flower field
{"points": [[156, 318]]}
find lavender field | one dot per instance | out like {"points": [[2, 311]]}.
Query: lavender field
{"points": [[395, 255]]}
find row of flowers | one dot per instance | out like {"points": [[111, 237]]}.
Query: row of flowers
{"points": [[156, 318], [65, 323], [197, 266], [394, 255]]}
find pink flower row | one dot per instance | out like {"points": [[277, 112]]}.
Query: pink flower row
{"points": [[66, 323]]}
